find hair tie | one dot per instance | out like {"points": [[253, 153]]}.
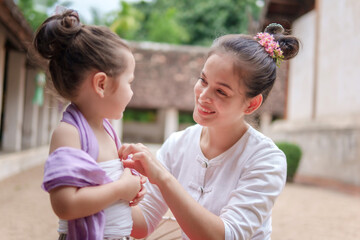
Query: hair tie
{"points": [[271, 46]]}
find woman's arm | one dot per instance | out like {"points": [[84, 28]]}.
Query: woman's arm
{"points": [[196, 221], [71, 202]]}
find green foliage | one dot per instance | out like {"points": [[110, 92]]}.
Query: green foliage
{"points": [[139, 115], [293, 155], [186, 117], [35, 11], [164, 27], [195, 22], [127, 21]]}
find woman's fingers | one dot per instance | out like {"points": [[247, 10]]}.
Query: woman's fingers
{"points": [[128, 149], [143, 179], [141, 193], [140, 196]]}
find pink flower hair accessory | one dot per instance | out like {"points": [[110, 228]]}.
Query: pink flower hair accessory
{"points": [[271, 46]]}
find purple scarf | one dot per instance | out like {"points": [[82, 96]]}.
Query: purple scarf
{"points": [[68, 166]]}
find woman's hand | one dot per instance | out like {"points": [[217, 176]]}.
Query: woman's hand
{"points": [[142, 160]]}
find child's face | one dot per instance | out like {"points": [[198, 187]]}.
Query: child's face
{"points": [[219, 97], [120, 98]]}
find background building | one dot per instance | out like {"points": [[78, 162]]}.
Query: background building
{"points": [[323, 102]]}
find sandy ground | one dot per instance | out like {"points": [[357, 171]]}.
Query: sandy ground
{"points": [[301, 212]]}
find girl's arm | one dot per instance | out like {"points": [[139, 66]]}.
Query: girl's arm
{"points": [[196, 221], [71, 202]]}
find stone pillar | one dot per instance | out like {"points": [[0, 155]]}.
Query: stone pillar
{"points": [[14, 102], [171, 121], [43, 126], [53, 115], [2, 69], [31, 111], [265, 122]]}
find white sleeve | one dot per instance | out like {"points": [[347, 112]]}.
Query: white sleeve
{"points": [[250, 204], [153, 205]]}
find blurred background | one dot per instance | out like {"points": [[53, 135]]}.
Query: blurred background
{"points": [[313, 112]]}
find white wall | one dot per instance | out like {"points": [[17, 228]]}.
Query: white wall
{"points": [[327, 127], [301, 75], [338, 92]]}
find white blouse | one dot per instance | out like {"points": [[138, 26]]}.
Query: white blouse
{"points": [[240, 185], [118, 220]]}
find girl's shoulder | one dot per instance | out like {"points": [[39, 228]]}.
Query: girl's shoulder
{"points": [[65, 135]]}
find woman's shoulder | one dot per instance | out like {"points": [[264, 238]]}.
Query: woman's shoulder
{"points": [[259, 139], [260, 146], [188, 133], [65, 135]]}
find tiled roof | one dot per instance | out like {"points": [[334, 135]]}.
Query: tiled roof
{"points": [[165, 75], [11, 18]]}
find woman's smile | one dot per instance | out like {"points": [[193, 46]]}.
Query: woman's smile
{"points": [[204, 111]]}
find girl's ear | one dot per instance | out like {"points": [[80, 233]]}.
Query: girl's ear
{"points": [[254, 104], [99, 82]]}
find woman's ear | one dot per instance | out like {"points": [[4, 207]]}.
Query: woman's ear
{"points": [[254, 104], [99, 82]]}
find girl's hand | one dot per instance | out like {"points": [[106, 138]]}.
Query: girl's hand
{"points": [[142, 160], [141, 193], [132, 185]]}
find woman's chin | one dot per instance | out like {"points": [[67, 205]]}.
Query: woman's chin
{"points": [[199, 120]]}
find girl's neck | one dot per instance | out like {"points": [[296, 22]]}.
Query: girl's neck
{"points": [[95, 121], [216, 140]]}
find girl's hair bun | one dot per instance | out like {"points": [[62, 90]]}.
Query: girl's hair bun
{"points": [[56, 34]]}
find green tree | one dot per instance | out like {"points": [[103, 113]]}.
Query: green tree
{"points": [[198, 22], [126, 22], [35, 11], [163, 27]]}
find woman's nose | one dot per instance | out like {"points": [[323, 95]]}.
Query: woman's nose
{"points": [[205, 96]]}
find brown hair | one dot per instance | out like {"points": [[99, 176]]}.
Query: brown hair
{"points": [[255, 67], [73, 49]]}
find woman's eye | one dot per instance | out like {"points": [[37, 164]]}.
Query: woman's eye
{"points": [[222, 92], [202, 81]]}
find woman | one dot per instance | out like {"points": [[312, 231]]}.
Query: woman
{"points": [[221, 177]]}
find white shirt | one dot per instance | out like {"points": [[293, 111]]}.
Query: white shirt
{"points": [[240, 185], [118, 220]]}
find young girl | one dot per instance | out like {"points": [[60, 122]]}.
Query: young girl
{"points": [[221, 177], [92, 68]]}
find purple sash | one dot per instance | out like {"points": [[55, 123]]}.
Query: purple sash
{"points": [[68, 166]]}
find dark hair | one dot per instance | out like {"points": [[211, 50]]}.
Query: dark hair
{"points": [[73, 49], [255, 67]]}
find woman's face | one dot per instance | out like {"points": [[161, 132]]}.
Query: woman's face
{"points": [[219, 98]]}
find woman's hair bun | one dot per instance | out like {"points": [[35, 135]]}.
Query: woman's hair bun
{"points": [[289, 44], [274, 28], [56, 34]]}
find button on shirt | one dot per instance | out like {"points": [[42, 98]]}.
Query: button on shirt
{"points": [[240, 185]]}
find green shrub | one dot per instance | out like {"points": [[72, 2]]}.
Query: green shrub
{"points": [[293, 155]]}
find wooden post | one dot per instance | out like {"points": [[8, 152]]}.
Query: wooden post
{"points": [[14, 101]]}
